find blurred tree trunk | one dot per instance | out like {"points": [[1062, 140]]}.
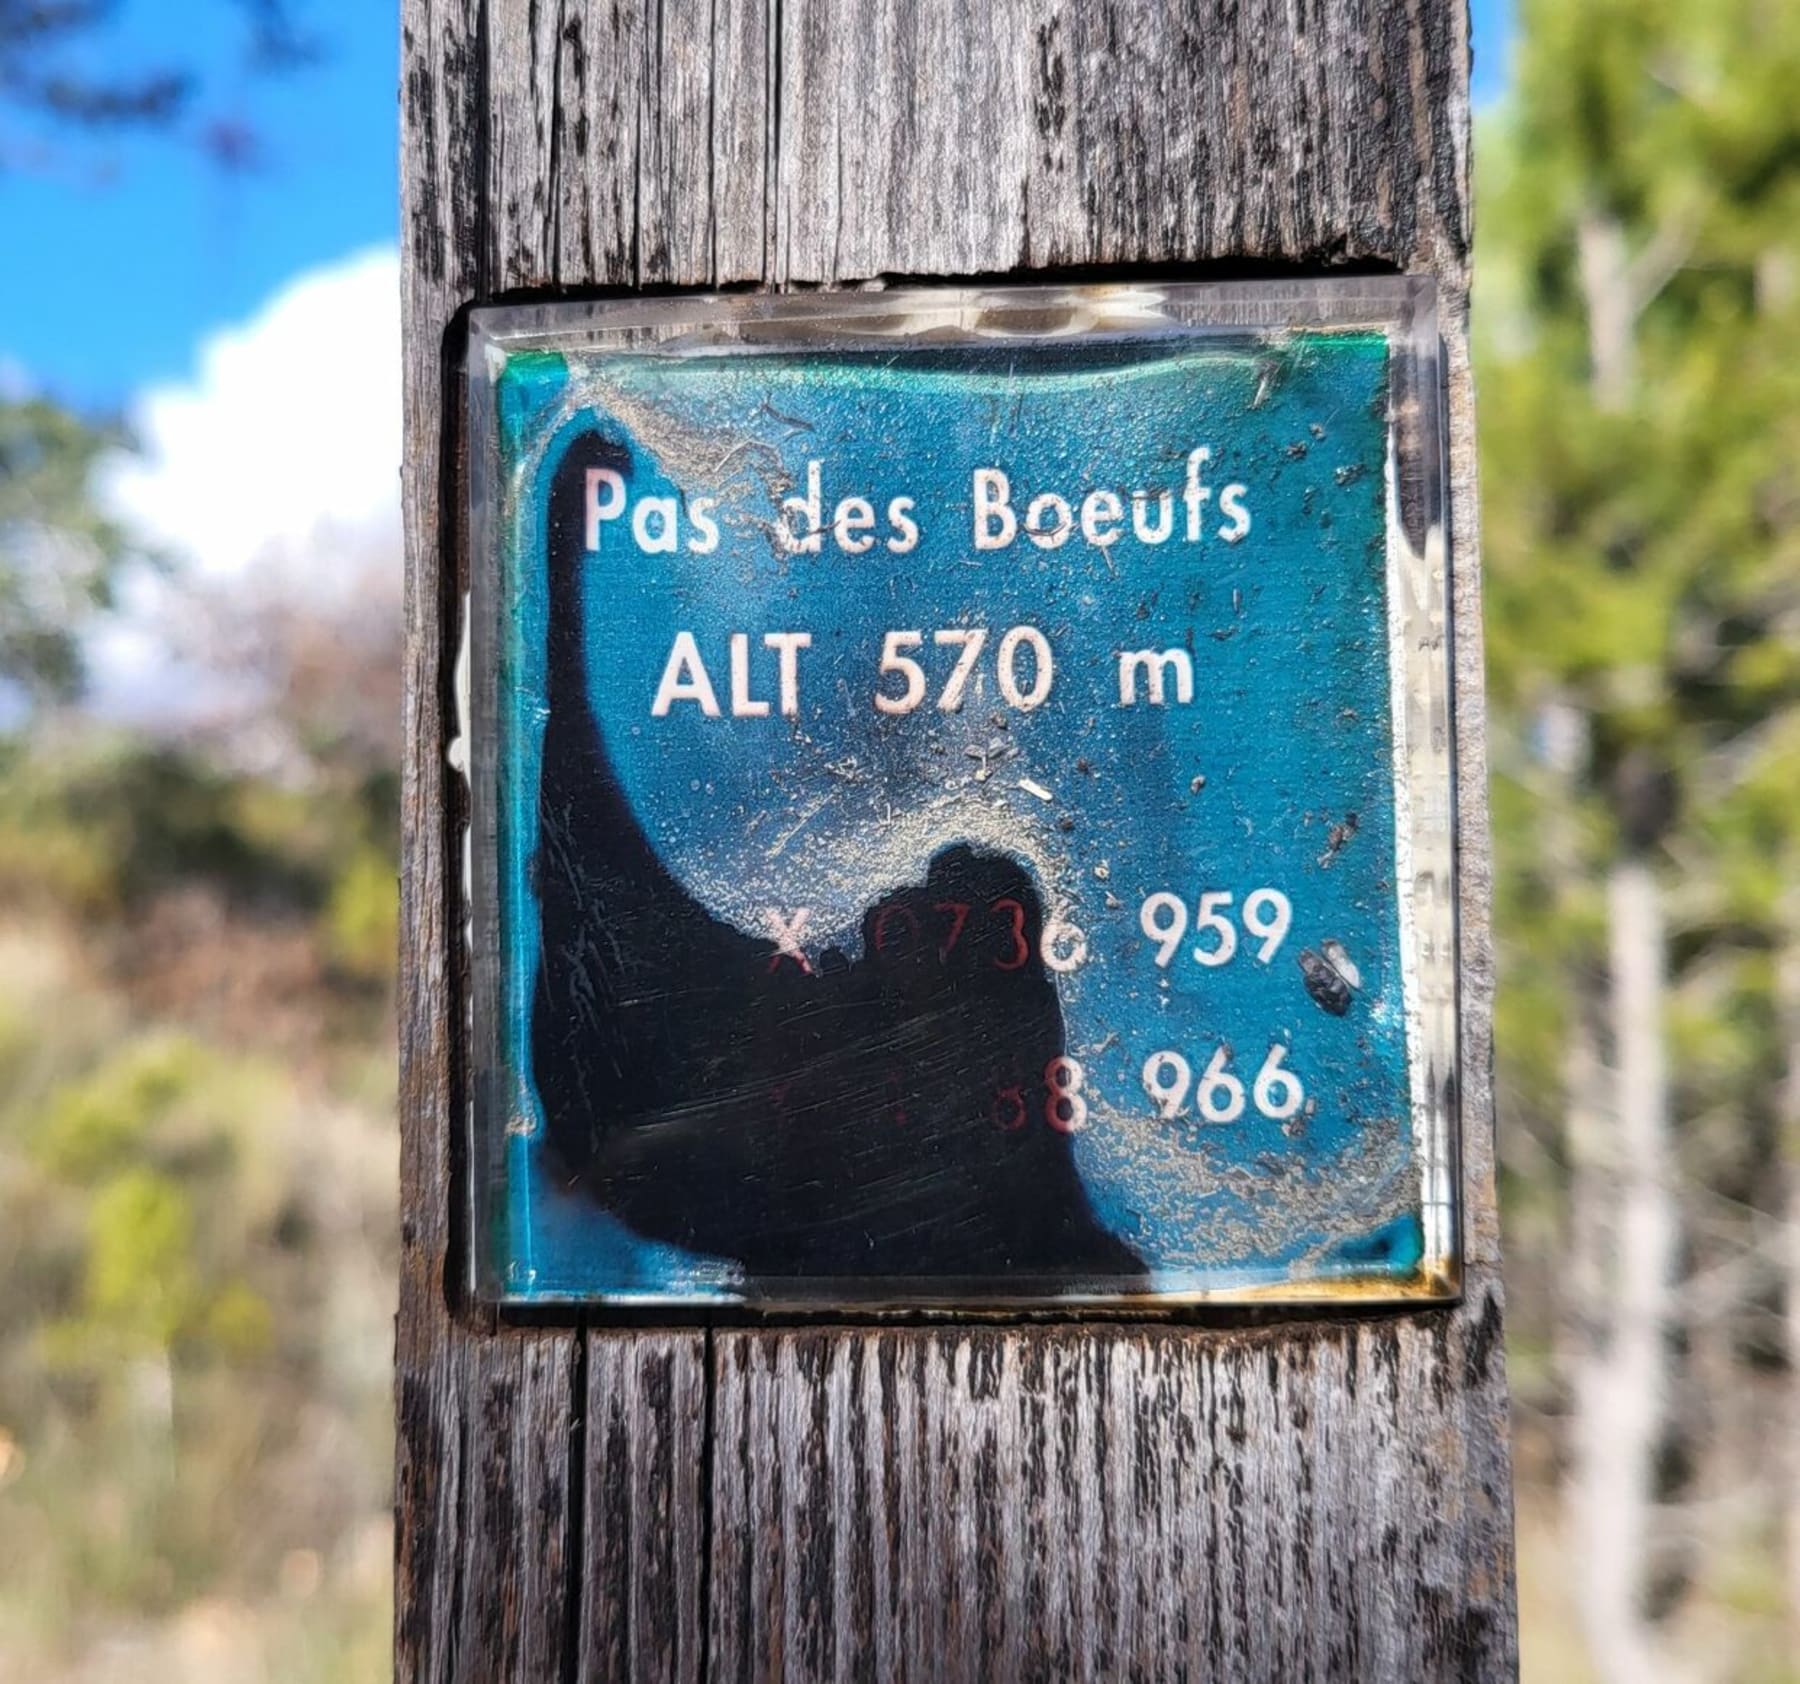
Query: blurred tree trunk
{"points": [[1622, 1390], [1777, 279], [1627, 1207], [1787, 984], [1583, 1322], [1623, 1236]]}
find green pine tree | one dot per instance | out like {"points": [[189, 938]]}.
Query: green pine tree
{"points": [[1639, 299]]}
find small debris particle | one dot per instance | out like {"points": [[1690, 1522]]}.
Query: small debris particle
{"points": [[1350, 473], [1341, 962], [1113, 903], [1329, 991], [1064, 822], [1036, 789], [1085, 766], [1198, 783], [1296, 450], [1336, 837], [1103, 871], [1316, 430]]}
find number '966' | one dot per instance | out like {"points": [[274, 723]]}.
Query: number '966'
{"points": [[1219, 1095]]}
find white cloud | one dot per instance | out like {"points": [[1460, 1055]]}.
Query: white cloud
{"points": [[274, 471], [286, 439]]}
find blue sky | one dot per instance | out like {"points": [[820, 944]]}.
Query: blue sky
{"points": [[127, 254], [1492, 22]]}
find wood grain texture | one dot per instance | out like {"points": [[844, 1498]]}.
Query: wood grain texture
{"points": [[967, 137], [548, 1505], [1324, 1499], [482, 1422], [646, 1537], [1104, 1502]]}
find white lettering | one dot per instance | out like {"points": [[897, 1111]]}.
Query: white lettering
{"points": [[1097, 507], [664, 539], [892, 660], [1155, 667], [1042, 675], [1140, 503], [854, 515], [684, 680], [702, 517], [787, 647], [906, 530], [971, 640], [1230, 504], [1196, 493], [1062, 521], [809, 538], [743, 705], [610, 509], [995, 523]]}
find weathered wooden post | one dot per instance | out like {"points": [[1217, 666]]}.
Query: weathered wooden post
{"points": [[1120, 1488]]}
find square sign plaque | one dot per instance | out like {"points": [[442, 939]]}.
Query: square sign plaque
{"points": [[960, 791]]}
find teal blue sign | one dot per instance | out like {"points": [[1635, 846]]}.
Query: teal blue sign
{"points": [[960, 792]]}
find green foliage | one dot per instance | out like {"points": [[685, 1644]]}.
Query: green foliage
{"points": [[140, 1283], [182, 1229], [1643, 501], [363, 915], [91, 1123], [58, 553], [1638, 361], [94, 826], [1663, 517]]}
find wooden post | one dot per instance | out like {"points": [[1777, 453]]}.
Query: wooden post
{"points": [[1240, 1497]]}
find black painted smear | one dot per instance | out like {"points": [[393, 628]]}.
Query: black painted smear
{"points": [[709, 1091]]}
